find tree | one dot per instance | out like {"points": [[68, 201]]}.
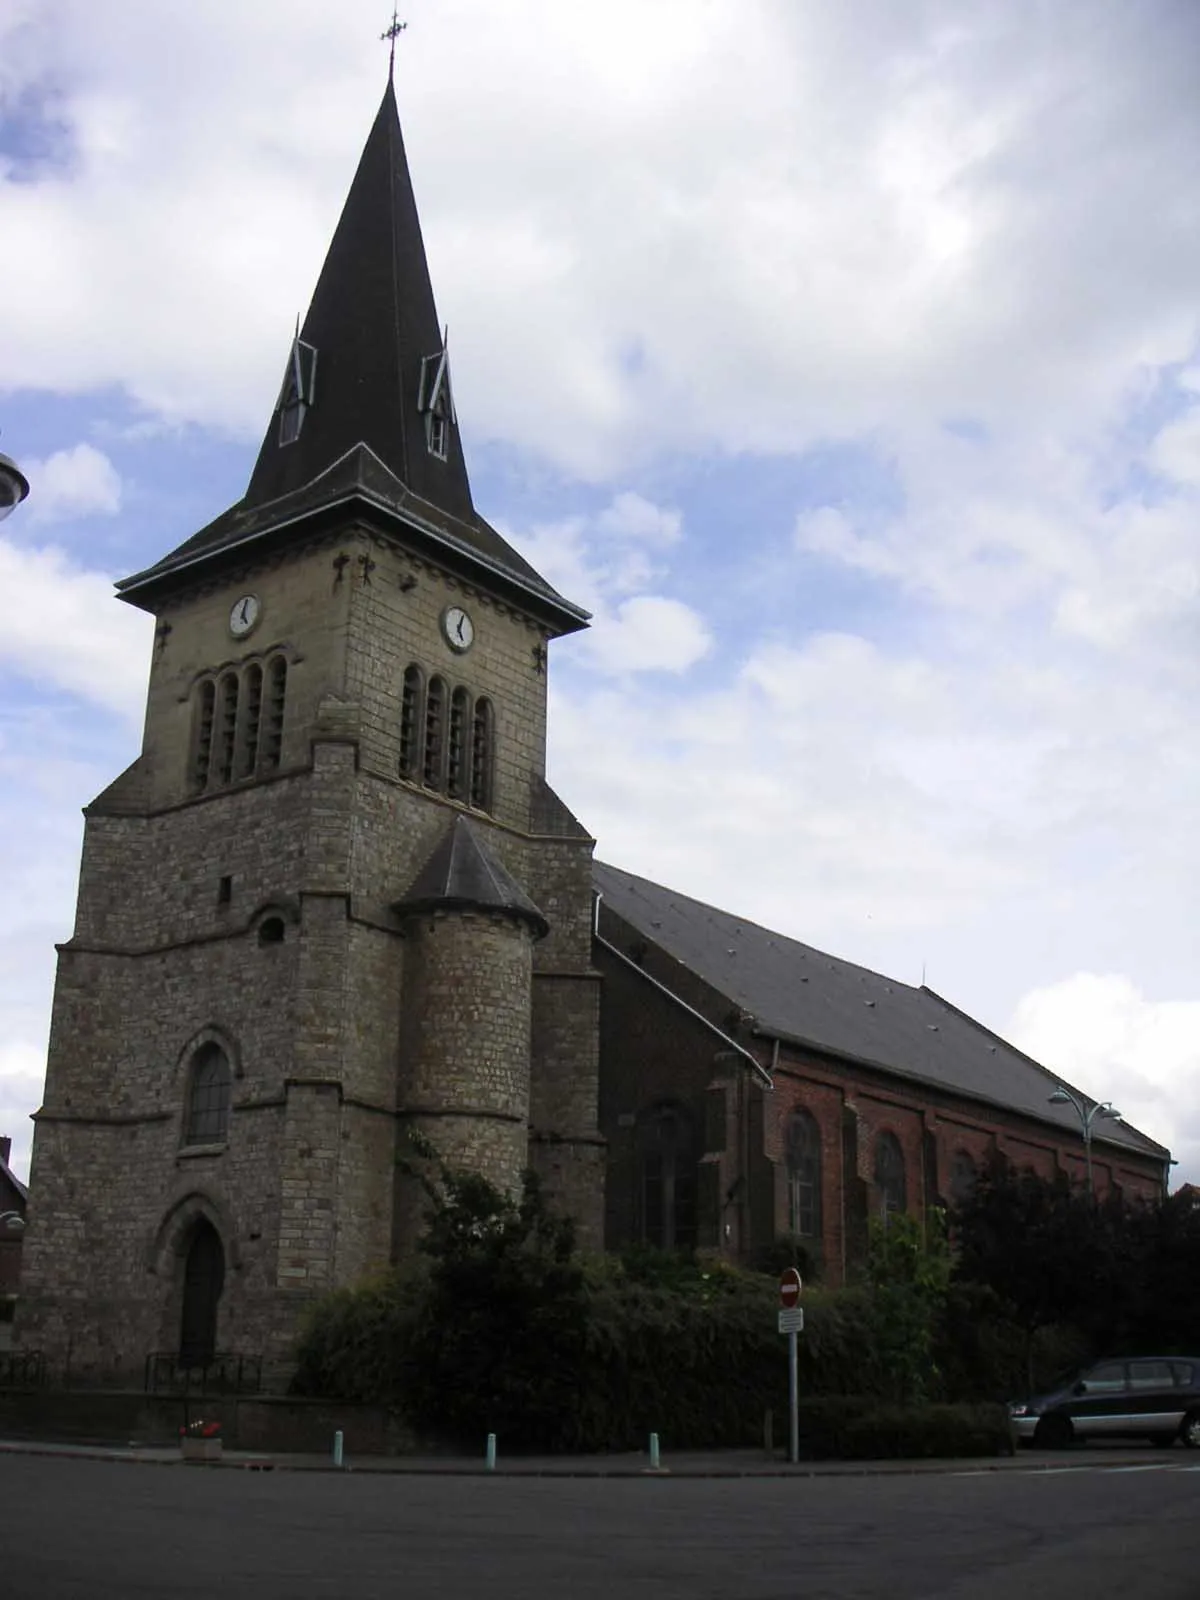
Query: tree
{"points": [[1049, 1252], [907, 1273], [499, 1344]]}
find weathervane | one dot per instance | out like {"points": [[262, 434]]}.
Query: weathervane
{"points": [[392, 34]]}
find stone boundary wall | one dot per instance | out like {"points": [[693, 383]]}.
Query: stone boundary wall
{"points": [[270, 1423]]}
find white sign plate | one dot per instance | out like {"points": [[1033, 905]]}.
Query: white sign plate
{"points": [[792, 1321]]}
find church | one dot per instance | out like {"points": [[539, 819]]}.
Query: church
{"points": [[334, 901]]}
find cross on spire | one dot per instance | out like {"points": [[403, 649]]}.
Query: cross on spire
{"points": [[392, 34]]}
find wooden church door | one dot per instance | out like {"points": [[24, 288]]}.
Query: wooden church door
{"points": [[203, 1280]]}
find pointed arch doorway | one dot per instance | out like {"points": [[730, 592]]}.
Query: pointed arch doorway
{"points": [[203, 1280]]}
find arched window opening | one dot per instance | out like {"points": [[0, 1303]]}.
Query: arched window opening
{"points": [[412, 715], [210, 1092], [206, 705], [803, 1151], [964, 1175], [226, 733], [203, 1280], [889, 1175], [456, 753], [252, 693], [482, 724], [435, 735], [669, 1180], [276, 692], [271, 930]]}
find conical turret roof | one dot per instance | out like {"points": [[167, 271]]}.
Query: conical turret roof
{"points": [[462, 874]]}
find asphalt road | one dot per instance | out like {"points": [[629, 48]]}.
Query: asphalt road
{"points": [[85, 1528]]}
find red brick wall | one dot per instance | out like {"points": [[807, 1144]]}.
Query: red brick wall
{"points": [[652, 1051]]}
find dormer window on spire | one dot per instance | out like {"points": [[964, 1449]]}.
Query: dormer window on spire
{"points": [[436, 402], [296, 395]]}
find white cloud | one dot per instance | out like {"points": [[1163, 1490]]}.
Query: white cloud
{"points": [[691, 240], [646, 634], [78, 482], [59, 625], [1100, 1030], [632, 516], [960, 240]]}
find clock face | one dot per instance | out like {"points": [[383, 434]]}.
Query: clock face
{"points": [[243, 614], [458, 628]]}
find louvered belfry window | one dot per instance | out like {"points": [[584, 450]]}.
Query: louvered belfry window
{"points": [[273, 729], [456, 753], [412, 721], [227, 727], [435, 734], [447, 740], [237, 730], [482, 754], [202, 738]]}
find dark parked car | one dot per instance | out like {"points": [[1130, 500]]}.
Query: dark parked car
{"points": [[1142, 1397]]}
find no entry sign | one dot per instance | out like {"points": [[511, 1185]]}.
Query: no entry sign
{"points": [[789, 1289]]}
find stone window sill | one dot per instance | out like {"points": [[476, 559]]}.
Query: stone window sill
{"points": [[191, 1151]]}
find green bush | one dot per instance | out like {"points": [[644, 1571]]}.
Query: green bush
{"points": [[503, 1329], [927, 1432]]}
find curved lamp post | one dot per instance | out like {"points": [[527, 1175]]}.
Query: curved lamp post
{"points": [[14, 486], [1087, 1114]]}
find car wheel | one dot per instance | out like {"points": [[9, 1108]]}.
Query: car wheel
{"points": [[1056, 1433], [1190, 1432]]}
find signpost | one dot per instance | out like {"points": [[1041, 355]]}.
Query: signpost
{"points": [[791, 1322]]}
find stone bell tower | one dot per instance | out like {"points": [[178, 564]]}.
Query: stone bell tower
{"points": [[334, 896]]}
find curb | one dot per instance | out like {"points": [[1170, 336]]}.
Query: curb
{"points": [[133, 1455]]}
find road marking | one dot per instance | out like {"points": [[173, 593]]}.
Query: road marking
{"points": [[1157, 1466]]}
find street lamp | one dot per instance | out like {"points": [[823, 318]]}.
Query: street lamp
{"points": [[1087, 1115], [14, 486]]}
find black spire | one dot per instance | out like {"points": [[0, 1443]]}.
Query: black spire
{"points": [[365, 415], [370, 366]]}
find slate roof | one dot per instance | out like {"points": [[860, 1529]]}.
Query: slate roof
{"points": [[7, 1172], [462, 875], [372, 323], [804, 996]]}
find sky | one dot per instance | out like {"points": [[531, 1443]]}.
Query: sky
{"points": [[842, 360]]}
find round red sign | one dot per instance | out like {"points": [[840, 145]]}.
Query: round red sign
{"points": [[789, 1288]]}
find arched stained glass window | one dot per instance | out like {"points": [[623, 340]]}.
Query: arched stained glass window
{"points": [[890, 1183], [669, 1179], [964, 1175], [803, 1155], [210, 1093]]}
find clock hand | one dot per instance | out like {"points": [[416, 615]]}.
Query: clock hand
{"points": [[245, 607], [459, 628]]}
